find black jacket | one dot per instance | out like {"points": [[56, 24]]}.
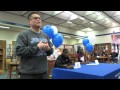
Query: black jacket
{"points": [[62, 60]]}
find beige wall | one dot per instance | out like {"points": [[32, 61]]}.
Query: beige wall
{"points": [[9, 36], [104, 38], [70, 41]]}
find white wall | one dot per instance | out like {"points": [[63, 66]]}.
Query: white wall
{"points": [[104, 38]]}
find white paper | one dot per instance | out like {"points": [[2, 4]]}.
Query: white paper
{"points": [[82, 58], [77, 65], [92, 64], [96, 63]]}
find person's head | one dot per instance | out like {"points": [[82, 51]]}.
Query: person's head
{"points": [[34, 20], [65, 52], [104, 50]]}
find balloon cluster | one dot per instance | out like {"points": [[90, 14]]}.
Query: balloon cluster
{"points": [[87, 43], [52, 32]]}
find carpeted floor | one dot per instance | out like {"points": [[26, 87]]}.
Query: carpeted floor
{"points": [[5, 75]]}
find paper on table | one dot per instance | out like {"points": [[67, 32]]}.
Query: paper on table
{"points": [[92, 64], [77, 65], [96, 63]]}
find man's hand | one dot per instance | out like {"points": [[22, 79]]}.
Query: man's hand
{"points": [[70, 66], [44, 46], [40, 45]]}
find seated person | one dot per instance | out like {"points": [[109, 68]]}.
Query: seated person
{"points": [[95, 54], [63, 61], [79, 55], [114, 56], [104, 53]]}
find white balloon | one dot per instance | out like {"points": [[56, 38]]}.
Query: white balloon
{"points": [[91, 38], [55, 30]]}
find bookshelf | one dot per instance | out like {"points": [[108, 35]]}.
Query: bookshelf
{"points": [[1, 61]]}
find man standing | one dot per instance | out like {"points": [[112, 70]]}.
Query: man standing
{"points": [[33, 46]]}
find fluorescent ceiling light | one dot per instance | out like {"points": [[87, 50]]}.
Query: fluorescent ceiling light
{"points": [[81, 18], [69, 12], [78, 38], [98, 13], [73, 16], [69, 22], [57, 12], [4, 27], [117, 13], [106, 18], [67, 36], [92, 22]]}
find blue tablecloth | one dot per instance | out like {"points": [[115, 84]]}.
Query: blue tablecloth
{"points": [[101, 71]]}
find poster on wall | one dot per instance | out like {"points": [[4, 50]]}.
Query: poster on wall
{"points": [[115, 38]]}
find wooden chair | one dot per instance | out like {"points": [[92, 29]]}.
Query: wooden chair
{"points": [[11, 70]]}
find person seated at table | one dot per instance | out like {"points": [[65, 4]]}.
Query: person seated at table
{"points": [[104, 53], [79, 55], [63, 61], [113, 57], [95, 54]]}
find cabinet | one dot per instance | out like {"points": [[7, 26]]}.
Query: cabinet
{"points": [[1, 61]]}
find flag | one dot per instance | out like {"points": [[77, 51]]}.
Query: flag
{"points": [[113, 37]]}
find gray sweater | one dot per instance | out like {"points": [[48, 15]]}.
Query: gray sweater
{"points": [[33, 59]]}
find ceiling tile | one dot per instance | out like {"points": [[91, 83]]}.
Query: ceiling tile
{"points": [[110, 13], [64, 16], [54, 20], [91, 17], [77, 21], [68, 24], [117, 18]]}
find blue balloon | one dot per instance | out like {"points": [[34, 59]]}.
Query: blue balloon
{"points": [[48, 30], [57, 40], [89, 47], [85, 41]]}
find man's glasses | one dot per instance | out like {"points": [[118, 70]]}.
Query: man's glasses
{"points": [[36, 18]]}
